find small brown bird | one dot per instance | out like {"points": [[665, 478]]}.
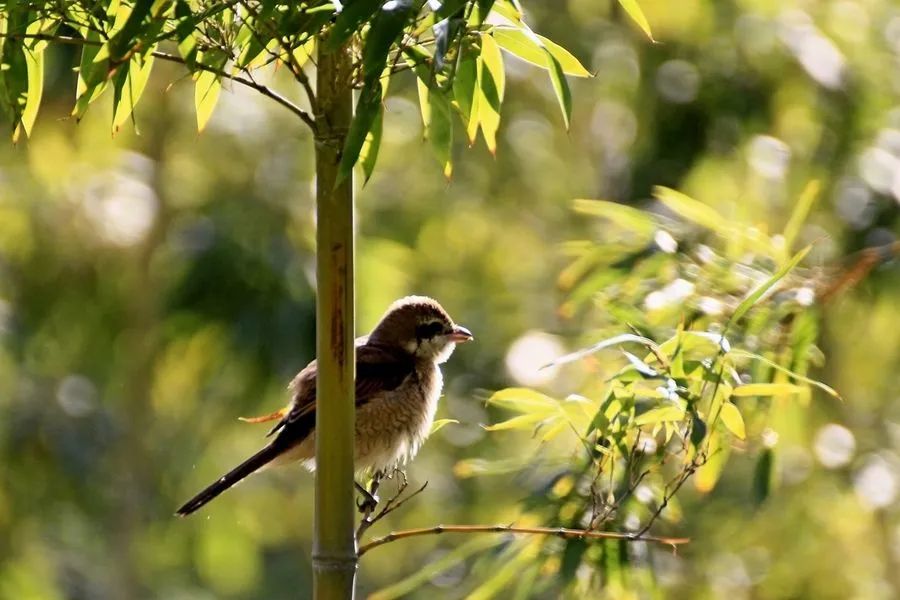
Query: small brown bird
{"points": [[398, 383]]}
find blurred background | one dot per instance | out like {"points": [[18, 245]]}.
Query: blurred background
{"points": [[158, 284]]}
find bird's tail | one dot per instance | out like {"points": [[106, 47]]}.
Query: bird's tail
{"points": [[248, 467]]}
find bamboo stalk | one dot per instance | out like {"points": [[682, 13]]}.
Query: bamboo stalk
{"points": [[334, 545]]}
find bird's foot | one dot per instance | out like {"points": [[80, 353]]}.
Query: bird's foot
{"points": [[369, 499]]}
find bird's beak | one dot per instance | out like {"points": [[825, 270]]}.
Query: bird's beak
{"points": [[460, 334]]}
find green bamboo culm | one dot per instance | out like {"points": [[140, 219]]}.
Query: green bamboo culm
{"points": [[334, 544]]}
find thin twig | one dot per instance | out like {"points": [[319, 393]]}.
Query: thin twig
{"points": [[262, 89], [562, 532]]}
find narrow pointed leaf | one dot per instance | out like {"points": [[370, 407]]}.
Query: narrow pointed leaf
{"points": [[34, 61], [368, 107], [634, 11], [732, 419], [533, 48], [129, 84], [766, 389], [754, 297], [206, 95], [561, 87]]}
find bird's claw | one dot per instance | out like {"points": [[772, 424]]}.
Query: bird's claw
{"points": [[368, 502]]}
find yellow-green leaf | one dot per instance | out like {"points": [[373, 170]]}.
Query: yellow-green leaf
{"points": [[766, 389], [692, 210], [800, 212], [526, 421], [535, 49], [491, 86], [129, 86], [708, 475], [206, 95], [523, 400], [622, 215], [634, 11], [754, 296], [732, 419], [34, 61], [657, 415], [441, 423]]}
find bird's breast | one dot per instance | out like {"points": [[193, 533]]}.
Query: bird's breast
{"points": [[390, 429]]}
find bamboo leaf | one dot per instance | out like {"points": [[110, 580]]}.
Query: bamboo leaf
{"points": [[622, 215], [692, 210], [525, 422], [801, 211], [368, 107], [353, 14], [535, 49], [34, 62], [613, 341], [732, 419], [206, 95], [491, 87], [634, 11], [523, 400], [128, 86], [754, 296], [368, 155], [561, 87], [796, 376], [441, 423], [766, 389], [708, 474], [386, 29], [464, 90], [658, 415]]}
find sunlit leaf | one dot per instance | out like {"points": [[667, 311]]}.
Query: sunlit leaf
{"points": [[464, 91], [441, 423], [206, 95], [536, 49], [34, 61], [794, 375], [128, 86], [801, 210], [368, 107], [657, 415], [754, 296], [613, 341], [523, 400], [622, 215], [707, 475], [732, 419], [692, 210], [491, 87], [634, 11], [767, 389]]}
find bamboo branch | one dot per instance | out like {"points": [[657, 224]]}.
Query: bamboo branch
{"points": [[562, 532], [262, 89]]}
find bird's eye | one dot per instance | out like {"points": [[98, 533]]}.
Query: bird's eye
{"points": [[426, 331]]}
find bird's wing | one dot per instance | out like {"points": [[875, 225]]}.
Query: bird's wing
{"points": [[378, 370]]}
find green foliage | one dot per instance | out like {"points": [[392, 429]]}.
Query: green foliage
{"points": [[219, 40], [685, 403]]}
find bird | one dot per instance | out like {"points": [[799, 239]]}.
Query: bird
{"points": [[398, 384]]}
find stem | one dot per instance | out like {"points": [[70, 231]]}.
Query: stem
{"points": [[334, 544], [558, 531]]}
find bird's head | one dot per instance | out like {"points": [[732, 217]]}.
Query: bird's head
{"points": [[421, 327]]}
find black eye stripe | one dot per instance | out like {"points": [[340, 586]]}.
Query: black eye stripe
{"points": [[429, 330]]}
